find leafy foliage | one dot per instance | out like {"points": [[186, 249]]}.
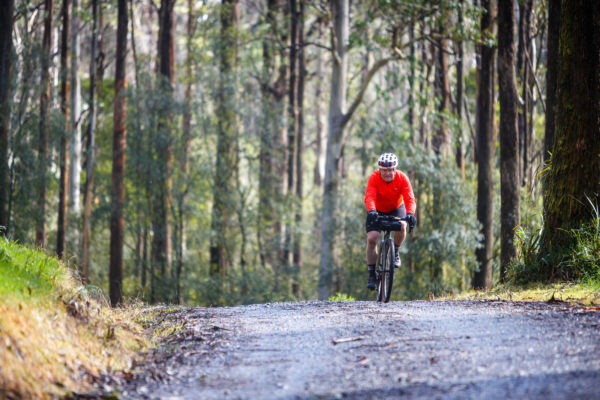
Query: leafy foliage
{"points": [[579, 260]]}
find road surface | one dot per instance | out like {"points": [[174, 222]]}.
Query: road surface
{"points": [[365, 350]]}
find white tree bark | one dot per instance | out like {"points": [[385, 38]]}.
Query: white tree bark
{"points": [[75, 148], [336, 120]]}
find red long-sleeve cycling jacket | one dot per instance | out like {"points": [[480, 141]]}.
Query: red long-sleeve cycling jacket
{"points": [[385, 197]]}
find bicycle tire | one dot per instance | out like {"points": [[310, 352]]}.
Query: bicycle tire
{"points": [[383, 272], [388, 272], [379, 269]]}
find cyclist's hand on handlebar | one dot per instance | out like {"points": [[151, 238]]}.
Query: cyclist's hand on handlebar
{"points": [[372, 216], [412, 221]]}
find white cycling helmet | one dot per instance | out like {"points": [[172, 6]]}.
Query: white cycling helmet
{"points": [[388, 160]]}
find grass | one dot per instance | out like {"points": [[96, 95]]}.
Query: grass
{"points": [[583, 293], [341, 297], [56, 338], [28, 275]]}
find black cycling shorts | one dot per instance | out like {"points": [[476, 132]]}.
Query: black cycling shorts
{"points": [[398, 212]]}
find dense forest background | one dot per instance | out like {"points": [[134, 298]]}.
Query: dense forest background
{"points": [[217, 152]]}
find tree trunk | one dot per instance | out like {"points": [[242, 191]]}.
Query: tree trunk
{"points": [[6, 48], [161, 243], [337, 105], [460, 152], [441, 140], [319, 117], [44, 129], [183, 162], [572, 187], [509, 144], [292, 132], [144, 274], [118, 166], [485, 149], [90, 145], [551, 80], [297, 258], [272, 149], [74, 206], [525, 10], [426, 67], [63, 187], [411, 85], [226, 172], [100, 54]]}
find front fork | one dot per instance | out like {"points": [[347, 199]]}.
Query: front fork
{"points": [[380, 256]]}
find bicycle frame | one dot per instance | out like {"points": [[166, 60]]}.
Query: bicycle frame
{"points": [[384, 270]]}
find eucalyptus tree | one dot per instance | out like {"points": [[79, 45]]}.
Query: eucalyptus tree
{"points": [[74, 204], [570, 194], [163, 150], [6, 48], [485, 145], [297, 247], [90, 146], [441, 138], [44, 126], [551, 78], [509, 143], [181, 222], [525, 71], [226, 170], [460, 54], [118, 164], [63, 187], [272, 150]]}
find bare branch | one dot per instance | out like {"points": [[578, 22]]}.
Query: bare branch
{"points": [[378, 65], [306, 44], [537, 85]]}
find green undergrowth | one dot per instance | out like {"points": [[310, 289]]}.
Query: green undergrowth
{"points": [[576, 259], [28, 275], [341, 297], [58, 337]]}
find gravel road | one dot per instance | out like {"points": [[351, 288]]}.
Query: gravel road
{"points": [[366, 350]]}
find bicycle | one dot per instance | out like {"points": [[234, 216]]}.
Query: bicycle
{"points": [[384, 270]]}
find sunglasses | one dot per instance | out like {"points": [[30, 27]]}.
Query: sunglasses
{"points": [[386, 164]]}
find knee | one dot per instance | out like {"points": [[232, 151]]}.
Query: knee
{"points": [[372, 238]]}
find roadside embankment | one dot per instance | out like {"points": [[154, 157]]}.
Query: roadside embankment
{"points": [[57, 337]]}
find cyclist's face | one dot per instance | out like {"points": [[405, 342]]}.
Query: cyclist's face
{"points": [[387, 173]]}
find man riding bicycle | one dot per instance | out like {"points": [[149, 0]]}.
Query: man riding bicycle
{"points": [[388, 192]]}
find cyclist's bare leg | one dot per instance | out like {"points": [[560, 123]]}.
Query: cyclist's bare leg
{"points": [[372, 238], [400, 235]]}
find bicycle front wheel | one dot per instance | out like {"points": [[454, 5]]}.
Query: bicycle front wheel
{"points": [[387, 278], [381, 261]]}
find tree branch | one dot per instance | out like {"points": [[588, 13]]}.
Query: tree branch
{"points": [[378, 65], [537, 85], [306, 44], [334, 44]]}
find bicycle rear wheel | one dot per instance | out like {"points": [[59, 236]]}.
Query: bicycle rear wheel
{"points": [[387, 279]]}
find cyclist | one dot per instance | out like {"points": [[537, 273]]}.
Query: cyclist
{"points": [[388, 192]]}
